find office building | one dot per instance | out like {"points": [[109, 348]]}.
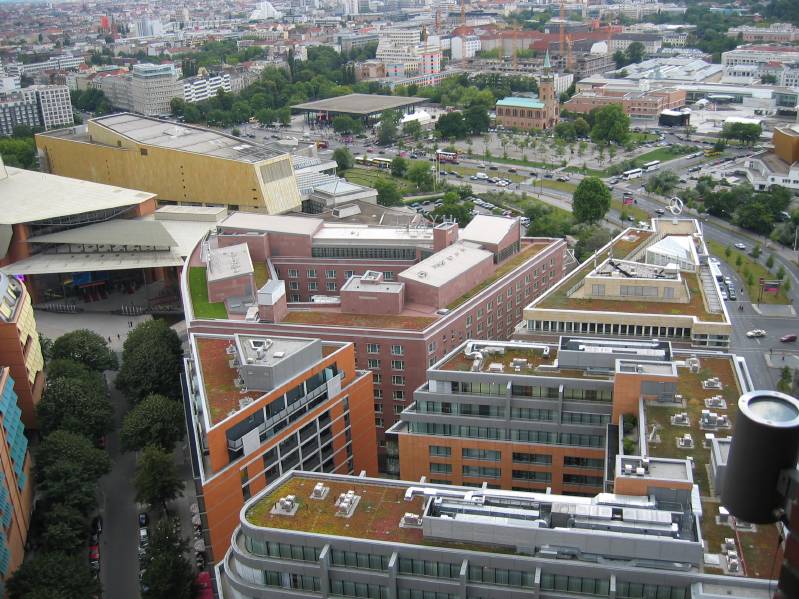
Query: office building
{"points": [[355, 41], [204, 86], [182, 164], [403, 295], [260, 406], [45, 106], [405, 54], [639, 102], [322, 535], [775, 33], [652, 42], [148, 89], [65, 62], [626, 290], [16, 488], [756, 54], [19, 349], [779, 166]]}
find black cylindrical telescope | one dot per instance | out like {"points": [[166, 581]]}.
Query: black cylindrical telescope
{"points": [[765, 441]]}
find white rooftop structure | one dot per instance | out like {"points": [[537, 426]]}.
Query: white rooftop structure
{"points": [[447, 264], [488, 229], [28, 196], [355, 234], [674, 249], [231, 261]]}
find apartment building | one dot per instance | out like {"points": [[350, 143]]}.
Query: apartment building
{"points": [[322, 535], [464, 47], [773, 33], [19, 346], [16, 490], [54, 104], [404, 296], [205, 86], [652, 42], [148, 89], [644, 103], [182, 164], [624, 290], [404, 54], [64, 62], [45, 106], [261, 406]]}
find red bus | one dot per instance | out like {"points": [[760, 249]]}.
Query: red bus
{"points": [[442, 156]]}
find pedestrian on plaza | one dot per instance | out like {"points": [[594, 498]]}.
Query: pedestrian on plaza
{"points": [[109, 340], [771, 351], [783, 357], [118, 337]]}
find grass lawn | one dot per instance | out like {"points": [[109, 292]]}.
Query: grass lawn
{"points": [[198, 286], [631, 209], [558, 185], [749, 266], [663, 154], [261, 274], [368, 177]]}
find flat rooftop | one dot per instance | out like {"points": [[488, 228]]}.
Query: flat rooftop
{"points": [[227, 262], [333, 233], [361, 283], [30, 196], [383, 505], [268, 223], [269, 351], [185, 138], [489, 229], [360, 104], [521, 102], [447, 264]]}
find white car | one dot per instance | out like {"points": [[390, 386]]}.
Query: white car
{"points": [[756, 333], [740, 246]]}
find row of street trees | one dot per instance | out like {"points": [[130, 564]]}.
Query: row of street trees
{"points": [[74, 415]]}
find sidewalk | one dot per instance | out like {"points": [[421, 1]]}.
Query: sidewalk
{"points": [[53, 325]]}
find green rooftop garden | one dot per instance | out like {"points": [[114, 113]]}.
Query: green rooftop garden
{"points": [[198, 287]]}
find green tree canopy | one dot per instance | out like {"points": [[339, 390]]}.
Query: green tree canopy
{"points": [[546, 221], [387, 193], [157, 421], [662, 182], [399, 166], [53, 575], [611, 125], [64, 528], [591, 200], [419, 173], [412, 129], [151, 362], [167, 573], [461, 212], [156, 479], [452, 125], [476, 119], [86, 347], [75, 405], [387, 130], [344, 158]]}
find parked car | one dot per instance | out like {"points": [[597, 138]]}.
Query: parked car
{"points": [[788, 338], [94, 556], [144, 520], [97, 524], [144, 537], [754, 333], [493, 168]]}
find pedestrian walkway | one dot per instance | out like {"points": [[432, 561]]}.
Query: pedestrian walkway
{"points": [[774, 309], [781, 359], [111, 327]]}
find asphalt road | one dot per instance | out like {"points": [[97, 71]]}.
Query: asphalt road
{"points": [[118, 543]]}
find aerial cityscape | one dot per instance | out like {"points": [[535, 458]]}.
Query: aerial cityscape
{"points": [[399, 299]]}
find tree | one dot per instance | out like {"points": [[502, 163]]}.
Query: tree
{"points": [[86, 347], [462, 213], [399, 166], [156, 421], [68, 467], [770, 261], [738, 260], [151, 362], [781, 272], [662, 182], [387, 193], [634, 53], [344, 124], [167, 573], [581, 127], [620, 59], [566, 130], [75, 405], [64, 528], [235, 132], [590, 239], [156, 479], [476, 119], [452, 125], [547, 221], [387, 131], [419, 173], [756, 251], [610, 124], [343, 158], [53, 575], [412, 129], [591, 200], [46, 344]]}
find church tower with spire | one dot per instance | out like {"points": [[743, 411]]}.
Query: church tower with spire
{"points": [[546, 93]]}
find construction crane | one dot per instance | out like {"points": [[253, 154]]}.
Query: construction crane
{"points": [[569, 56], [463, 13]]}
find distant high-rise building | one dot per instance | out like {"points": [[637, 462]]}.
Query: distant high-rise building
{"points": [[149, 27], [148, 89], [202, 87], [54, 105], [45, 106]]}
